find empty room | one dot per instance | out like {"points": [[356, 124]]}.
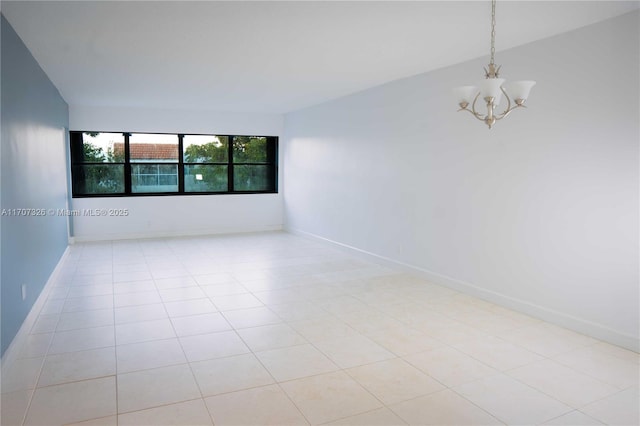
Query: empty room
{"points": [[320, 212]]}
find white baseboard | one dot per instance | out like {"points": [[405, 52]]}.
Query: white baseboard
{"points": [[580, 325], [171, 234], [16, 344]]}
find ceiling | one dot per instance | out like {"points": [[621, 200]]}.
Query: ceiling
{"points": [[268, 56]]}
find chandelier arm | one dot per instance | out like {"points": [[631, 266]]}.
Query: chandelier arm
{"points": [[473, 111], [508, 109], [476, 115]]}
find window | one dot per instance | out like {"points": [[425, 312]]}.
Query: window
{"points": [[206, 163], [130, 164], [154, 163], [251, 159], [97, 163]]}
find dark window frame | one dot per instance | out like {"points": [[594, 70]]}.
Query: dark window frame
{"points": [[77, 159]]}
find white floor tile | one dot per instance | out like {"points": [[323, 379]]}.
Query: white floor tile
{"points": [[403, 340], [379, 417], [153, 388], [512, 401], [200, 324], [58, 293], [370, 321], [329, 396], [353, 351], [146, 355], [35, 345], [497, 353], [23, 375], [544, 341], [129, 267], [298, 311], [181, 293], [227, 289], [90, 290], [82, 339], [175, 282], [189, 307], [563, 383], [443, 408], [75, 366], [168, 272], [622, 408], [270, 337], [134, 287], [52, 306], [213, 279], [230, 374], [140, 313], [236, 301], [323, 328], [342, 304], [450, 366], [192, 413], [269, 406], [394, 380], [14, 406], [127, 276], [144, 331], [252, 317], [136, 299], [603, 366], [616, 351], [92, 279], [295, 362], [574, 418], [88, 303], [85, 319], [73, 402], [102, 421], [214, 345]]}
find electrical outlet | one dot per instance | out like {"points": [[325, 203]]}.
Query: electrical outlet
{"points": [[24, 291]]}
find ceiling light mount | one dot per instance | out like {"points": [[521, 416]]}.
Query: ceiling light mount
{"points": [[491, 89]]}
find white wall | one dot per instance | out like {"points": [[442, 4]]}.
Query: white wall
{"points": [[156, 216], [539, 213]]}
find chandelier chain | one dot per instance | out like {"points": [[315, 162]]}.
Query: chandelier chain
{"points": [[493, 30]]}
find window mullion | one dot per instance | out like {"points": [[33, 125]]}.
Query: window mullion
{"points": [[180, 165], [230, 185], [127, 164]]}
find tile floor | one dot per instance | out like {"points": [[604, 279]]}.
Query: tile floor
{"points": [[277, 329]]}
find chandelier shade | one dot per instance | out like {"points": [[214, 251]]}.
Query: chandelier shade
{"points": [[491, 90], [465, 94], [519, 89]]}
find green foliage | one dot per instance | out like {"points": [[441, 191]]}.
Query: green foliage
{"points": [[92, 153], [212, 152], [245, 149], [213, 178], [249, 149], [101, 178], [115, 157]]}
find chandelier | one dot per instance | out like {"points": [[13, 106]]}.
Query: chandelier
{"points": [[492, 88]]}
